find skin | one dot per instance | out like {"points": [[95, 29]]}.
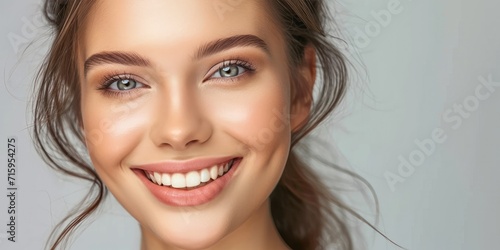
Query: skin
{"points": [[180, 110]]}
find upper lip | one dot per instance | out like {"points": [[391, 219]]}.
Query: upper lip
{"points": [[184, 166]]}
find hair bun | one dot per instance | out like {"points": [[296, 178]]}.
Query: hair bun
{"points": [[54, 11]]}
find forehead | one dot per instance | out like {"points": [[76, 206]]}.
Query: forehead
{"points": [[142, 24]]}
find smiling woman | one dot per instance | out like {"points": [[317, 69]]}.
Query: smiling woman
{"points": [[182, 112]]}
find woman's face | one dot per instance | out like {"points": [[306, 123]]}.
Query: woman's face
{"points": [[172, 91]]}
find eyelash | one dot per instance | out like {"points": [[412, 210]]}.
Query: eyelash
{"points": [[245, 64], [112, 78]]}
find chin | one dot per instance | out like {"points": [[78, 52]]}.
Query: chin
{"points": [[191, 237], [189, 228]]}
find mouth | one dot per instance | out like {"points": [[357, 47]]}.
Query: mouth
{"points": [[189, 183], [192, 179]]}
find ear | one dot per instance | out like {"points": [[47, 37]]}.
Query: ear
{"points": [[302, 98]]}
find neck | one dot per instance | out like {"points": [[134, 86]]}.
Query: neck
{"points": [[257, 232]]}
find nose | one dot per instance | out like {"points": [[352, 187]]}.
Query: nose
{"points": [[180, 121]]}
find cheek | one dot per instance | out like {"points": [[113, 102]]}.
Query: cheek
{"points": [[112, 129], [257, 117]]}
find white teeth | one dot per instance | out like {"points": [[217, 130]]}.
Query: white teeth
{"points": [[151, 177], [214, 172], [157, 178], [178, 181], [221, 170], [193, 179], [204, 175], [166, 180]]}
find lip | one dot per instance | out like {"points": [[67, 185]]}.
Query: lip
{"points": [[188, 197], [171, 167]]}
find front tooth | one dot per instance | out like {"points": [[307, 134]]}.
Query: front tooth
{"points": [[226, 167], [157, 178], [221, 170], [166, 179], [193, 179], [178, 181], [213, 172], [204, 175]]}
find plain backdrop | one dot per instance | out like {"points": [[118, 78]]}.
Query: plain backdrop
{"points": [[417, 119]]}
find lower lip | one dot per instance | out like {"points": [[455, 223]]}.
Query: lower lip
{"points": [[188, 197]]}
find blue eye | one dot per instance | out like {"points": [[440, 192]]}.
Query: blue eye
{"points": [[120, 85], [124, 84], [232, 70], [229, 71]]}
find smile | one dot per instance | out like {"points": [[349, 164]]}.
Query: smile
{"points": [[188, 183], [192, 179]]}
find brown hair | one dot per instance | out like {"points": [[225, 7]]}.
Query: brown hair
{"points": [[307, 214]]}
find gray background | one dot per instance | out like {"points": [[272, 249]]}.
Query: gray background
{"points": [[420, 64]]}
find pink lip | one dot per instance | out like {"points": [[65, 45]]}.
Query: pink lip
{"points": [[188, 197], [183, 166]]}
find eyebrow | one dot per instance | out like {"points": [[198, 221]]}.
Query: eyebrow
{"points": [[210, 48], [231, 42], [115, 57]]}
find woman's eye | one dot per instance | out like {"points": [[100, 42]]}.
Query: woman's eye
{"points": [[124, 84], [229, 71]]}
